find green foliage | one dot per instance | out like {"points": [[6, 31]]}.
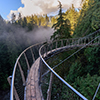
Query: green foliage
{"points": [[53, 20], [89, 19], [62, 27], [72, 15], [88, 85], [30, 26], [75, 71], [93, 60], [24, 22], [32, 21], [12, 43], [82, 71]]}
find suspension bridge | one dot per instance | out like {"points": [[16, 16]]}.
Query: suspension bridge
{"points": [[31, 67]]}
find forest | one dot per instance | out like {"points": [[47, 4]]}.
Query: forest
{"points": [[84, 72]]}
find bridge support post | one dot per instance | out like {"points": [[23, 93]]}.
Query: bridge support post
{"points": [[50, 87]]}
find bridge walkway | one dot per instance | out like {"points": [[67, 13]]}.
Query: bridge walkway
{"points": [[33, 90]]}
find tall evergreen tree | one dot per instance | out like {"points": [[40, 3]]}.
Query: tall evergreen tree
{"points": [[62, 27]]}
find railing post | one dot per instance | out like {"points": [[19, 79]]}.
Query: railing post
{"points": [[50, 87], [22, 74], [27, 61], [67, 42], [32, 55], [15, 92]]}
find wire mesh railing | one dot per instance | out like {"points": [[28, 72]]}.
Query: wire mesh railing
{"points": [[21, 70], [48, 50]]}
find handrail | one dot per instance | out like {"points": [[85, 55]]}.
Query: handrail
{"points": [[85, 37], [61, 77], [13, 75], [68, 42], [96, 91], [76, 52], [82, 41], [85, 41]]}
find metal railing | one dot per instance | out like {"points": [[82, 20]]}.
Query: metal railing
{"points": [[21, 70], [59, 45], [51, 48], [29, 55]]}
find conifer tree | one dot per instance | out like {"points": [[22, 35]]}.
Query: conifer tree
{"points": [[19, 19], [89, 19], [24, 22], [62, 27]]}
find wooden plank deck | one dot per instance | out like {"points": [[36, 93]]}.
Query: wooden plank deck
{"points": [[33, 90]]}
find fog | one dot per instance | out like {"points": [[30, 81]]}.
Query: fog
{"points": [[11, 34], [41, 34]]}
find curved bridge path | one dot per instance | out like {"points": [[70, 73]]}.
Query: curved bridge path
{"points": [[33, 90], [27, 73]]}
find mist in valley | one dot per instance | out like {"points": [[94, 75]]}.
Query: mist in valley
{"points": [[14, 33], [13, 40]]}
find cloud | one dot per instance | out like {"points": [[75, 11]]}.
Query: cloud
{"points": [[43, 6]]}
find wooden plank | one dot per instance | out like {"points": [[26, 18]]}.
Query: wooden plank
{"points": [[33, 90], [38, 94]]}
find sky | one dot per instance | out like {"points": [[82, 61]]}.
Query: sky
{"points": [[29, 7]]}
